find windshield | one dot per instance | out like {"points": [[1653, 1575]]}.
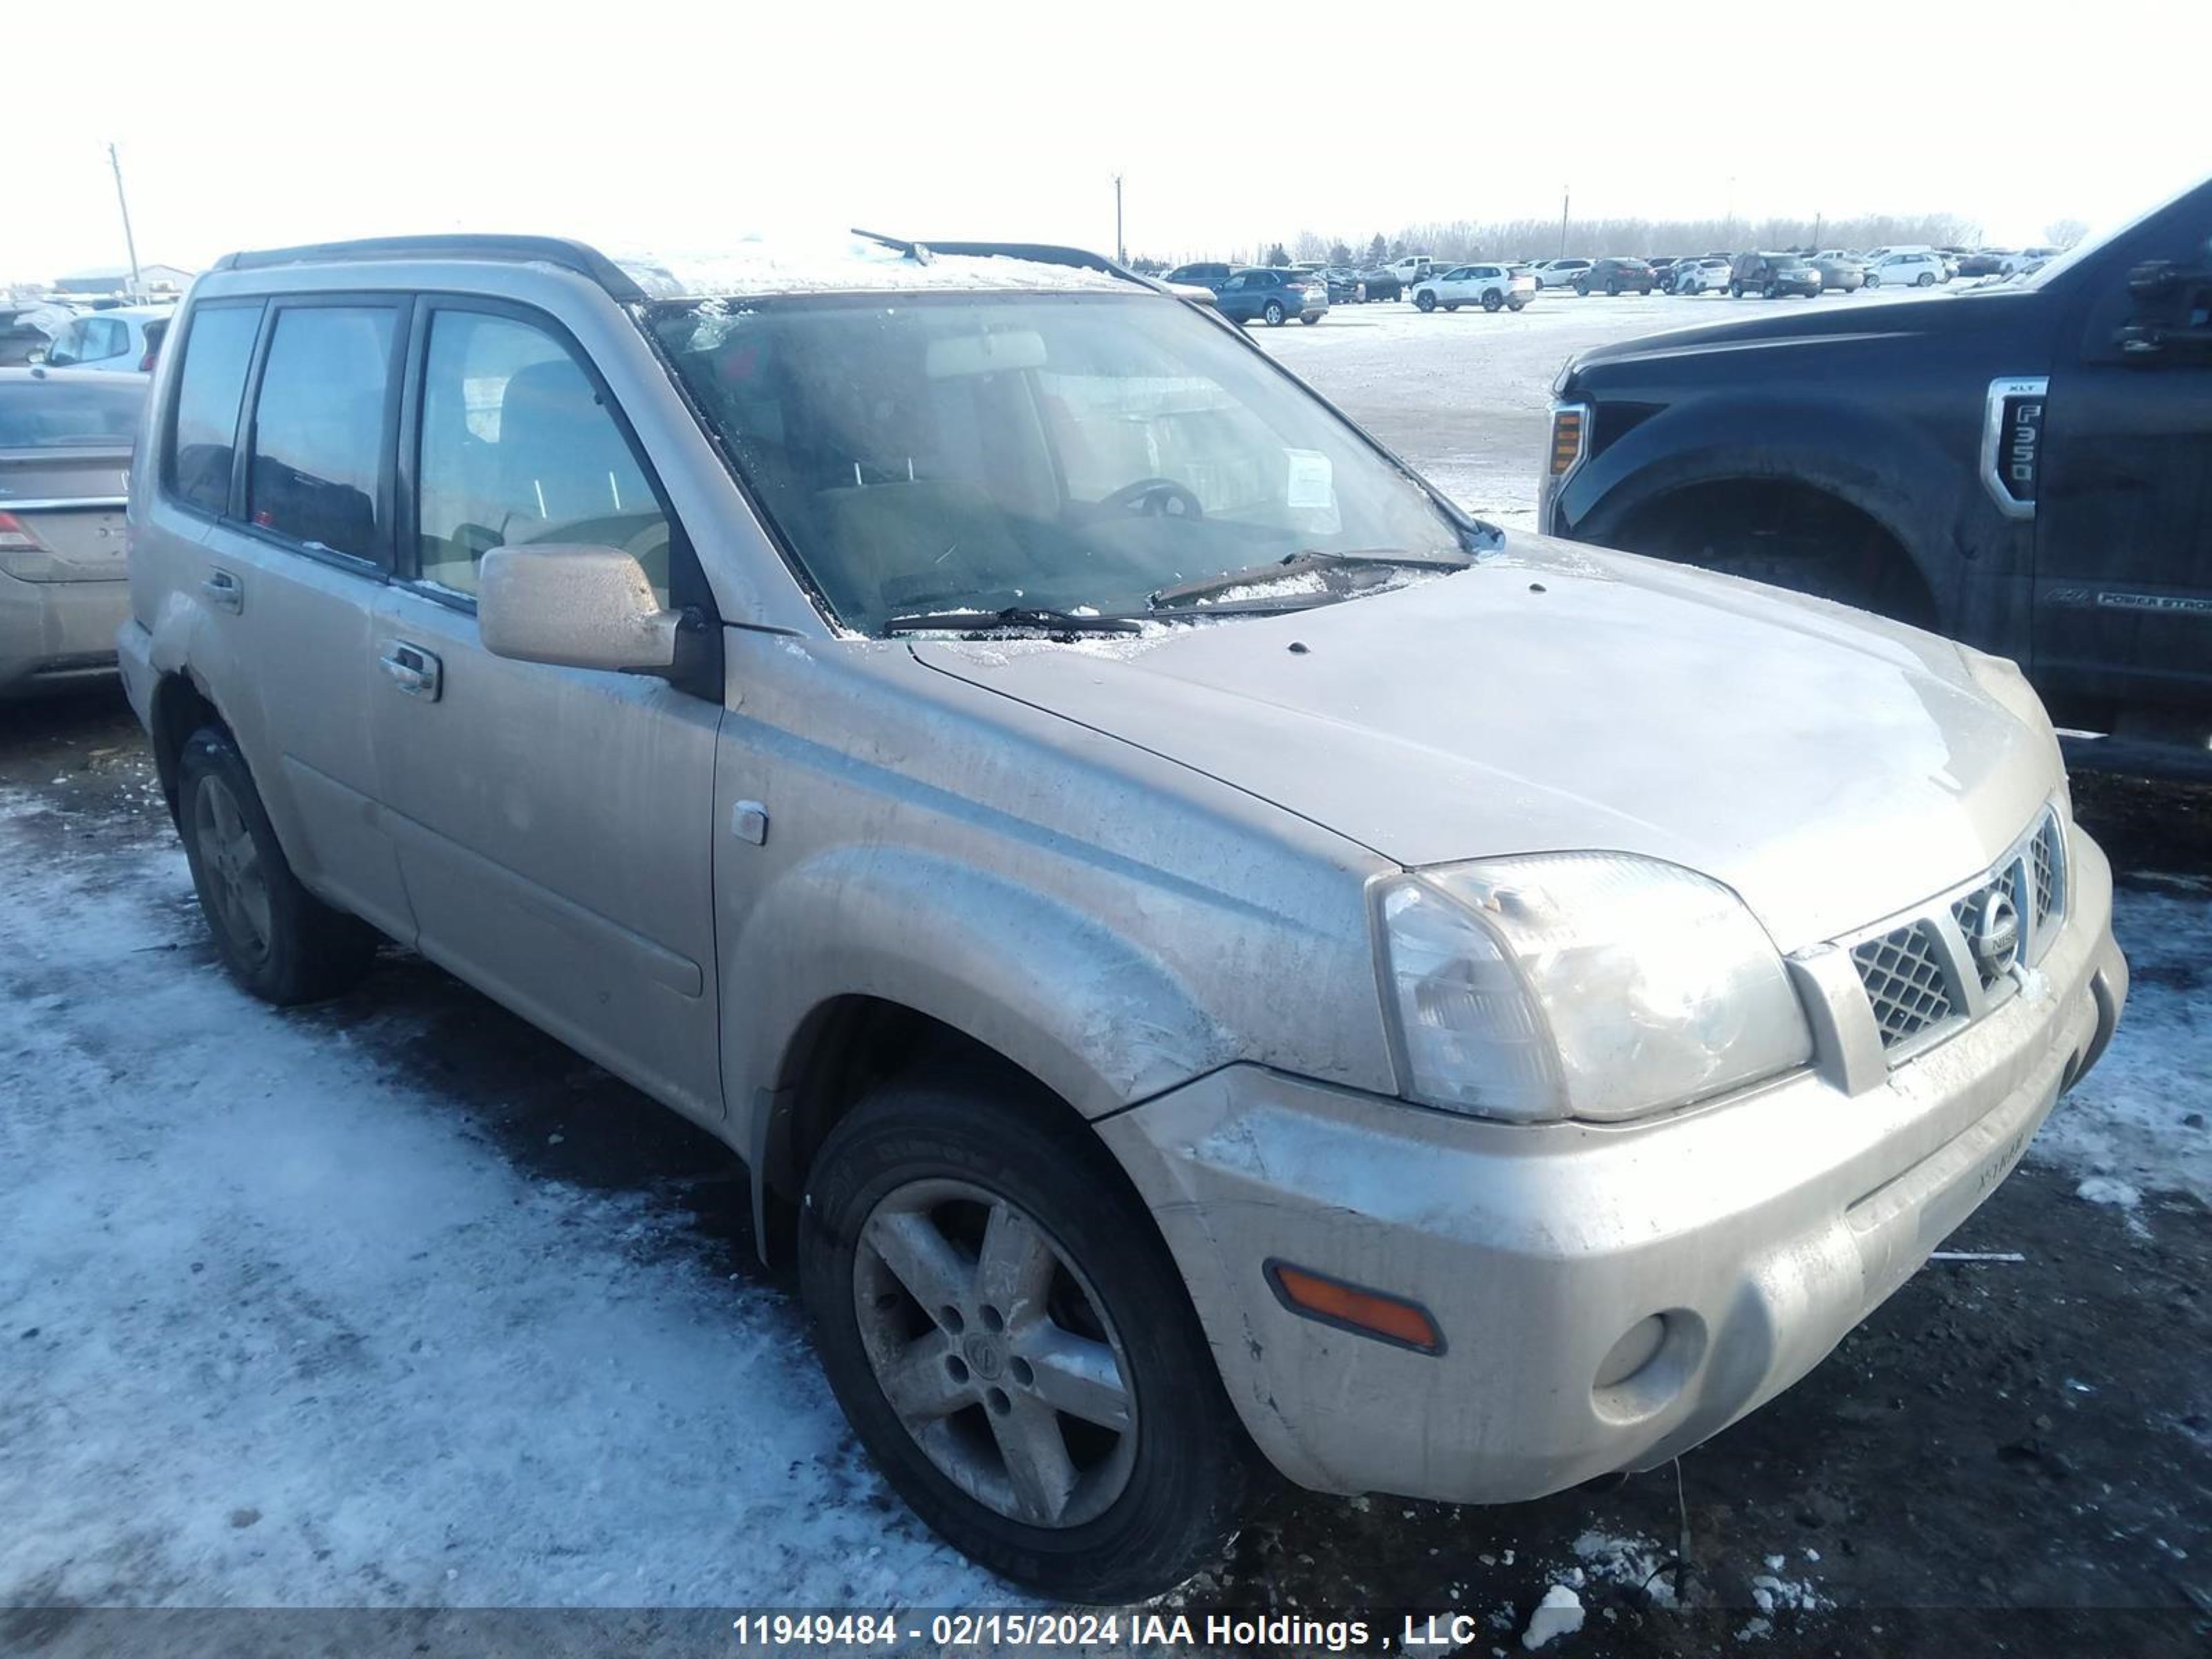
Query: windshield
{"points": [[1069, 452], [38, 413]]}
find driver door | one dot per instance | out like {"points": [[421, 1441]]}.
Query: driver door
{"points": [[555, 826]]}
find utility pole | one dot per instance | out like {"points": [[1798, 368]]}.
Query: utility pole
{"points": [[1121, 247], [1817, 222], [129, 241], [1566, 196]]}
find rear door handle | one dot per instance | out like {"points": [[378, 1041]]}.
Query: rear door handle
{"points": [[413, 670], [224, 591]]}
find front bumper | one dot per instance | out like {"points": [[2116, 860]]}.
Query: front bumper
{"points": [[1762, 1227], [56, 634]]}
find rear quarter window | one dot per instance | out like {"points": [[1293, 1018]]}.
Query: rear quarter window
{"points": [[218, 346]]}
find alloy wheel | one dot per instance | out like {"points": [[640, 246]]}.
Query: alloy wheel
{"points": [[994, 1352], [236, 882]]}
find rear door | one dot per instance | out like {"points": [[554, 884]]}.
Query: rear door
{"points": [[293, 562], [555, 825], [2123, 508]]}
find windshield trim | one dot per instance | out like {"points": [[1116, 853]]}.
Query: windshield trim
{"points": [[1475, 535]]}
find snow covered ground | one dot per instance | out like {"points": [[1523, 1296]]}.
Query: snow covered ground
{"points": [[290, 1320]]}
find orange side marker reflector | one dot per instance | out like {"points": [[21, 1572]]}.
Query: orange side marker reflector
{"points": [[1353, 1308]]}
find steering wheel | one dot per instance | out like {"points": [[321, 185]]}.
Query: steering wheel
{"points": [[1157, 498]]}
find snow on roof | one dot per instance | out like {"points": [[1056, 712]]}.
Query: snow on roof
{"points": [[851, 264]]}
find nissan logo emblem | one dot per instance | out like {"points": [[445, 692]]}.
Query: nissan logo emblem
{"points": [[1994, 940]]}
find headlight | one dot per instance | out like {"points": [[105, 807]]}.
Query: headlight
{"points": [[1587, 985]]}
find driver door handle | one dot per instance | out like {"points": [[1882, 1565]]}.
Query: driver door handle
{"points": [[223, 591], [413, 670]]}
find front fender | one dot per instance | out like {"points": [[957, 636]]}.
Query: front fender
{"points": [[1092, 1014]]}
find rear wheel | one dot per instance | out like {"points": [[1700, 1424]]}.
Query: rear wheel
{"points": [[1011, 1342], [1309, 318], [1735, 290], [1491, 299], [1925, 279], [1517, 303], [1612, 288], [1274, 313], [275, 938]]}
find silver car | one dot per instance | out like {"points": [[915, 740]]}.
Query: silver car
{"points": [[65, 440], [1207, 954]]}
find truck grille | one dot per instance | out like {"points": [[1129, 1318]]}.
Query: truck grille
{"points": [[1937, 970], [1904, 982]]}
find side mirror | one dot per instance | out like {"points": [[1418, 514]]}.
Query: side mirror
{"points": [[577, 606]]}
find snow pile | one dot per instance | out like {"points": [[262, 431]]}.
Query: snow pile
{"points": [[2103, 1189], [281, 1330], [1629, 1563], [1559, 1613], [2126, 1124]]}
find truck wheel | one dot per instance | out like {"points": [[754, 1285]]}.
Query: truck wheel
{"points": [[1491, 299], [274, 937], [1274, 313], [1011, 1342], [1424, 300]]}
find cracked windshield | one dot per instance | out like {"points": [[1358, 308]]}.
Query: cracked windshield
{"points": [[947, 459]]}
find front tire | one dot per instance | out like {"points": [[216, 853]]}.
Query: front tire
{"points": [[1874, 282], [275, 938], [968, 1251], [1424, 301]]}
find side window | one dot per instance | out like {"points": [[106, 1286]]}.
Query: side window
{"points": [[517, 448], [218, 347], [319, 426], [67, 347]]}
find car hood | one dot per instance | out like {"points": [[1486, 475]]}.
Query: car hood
{"points": [[1830, 767], [1997, 311]]}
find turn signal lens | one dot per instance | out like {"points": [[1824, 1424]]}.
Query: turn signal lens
{"points": [[1350, 1307], [1567, 422]]}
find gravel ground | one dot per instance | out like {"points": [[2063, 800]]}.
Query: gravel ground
{"points": [[396, 1303]]}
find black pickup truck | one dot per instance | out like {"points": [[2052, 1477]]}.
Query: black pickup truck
{"points": [[2026, 466]]}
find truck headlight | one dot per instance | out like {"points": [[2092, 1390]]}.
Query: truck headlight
{"points": [[1585, 985]]}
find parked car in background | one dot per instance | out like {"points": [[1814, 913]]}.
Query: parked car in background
{"points": [[1875, 256], [27, 331], [1272, 295], [125, 340], [1901, 270], [1206, 273], [1344, 285], [1494, 287], [1983, 261], [1773, 275], [975, 945], [1616, 274], [1838, 273], [2013, 264], [2021, 466], [1381, 283], [1560, 273], [65, 438], [1709, 274]]}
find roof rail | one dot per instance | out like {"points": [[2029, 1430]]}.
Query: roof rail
{"points": [[583, 260]]}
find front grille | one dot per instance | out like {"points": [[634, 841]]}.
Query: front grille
{"points": [[1904, 982], [1937, 968], [2047, 872]]}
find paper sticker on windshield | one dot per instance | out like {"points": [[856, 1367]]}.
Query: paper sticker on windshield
{"points": [[1312, 484]]}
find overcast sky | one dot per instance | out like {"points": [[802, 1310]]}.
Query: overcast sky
{"points": [[677, 125]]}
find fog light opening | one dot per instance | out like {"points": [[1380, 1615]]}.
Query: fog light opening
{"points": [[1647, 1369], [1394, 1319]]}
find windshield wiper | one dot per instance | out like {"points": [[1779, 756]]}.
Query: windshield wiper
{"points": [[1032, 618], [1293, 564]]}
